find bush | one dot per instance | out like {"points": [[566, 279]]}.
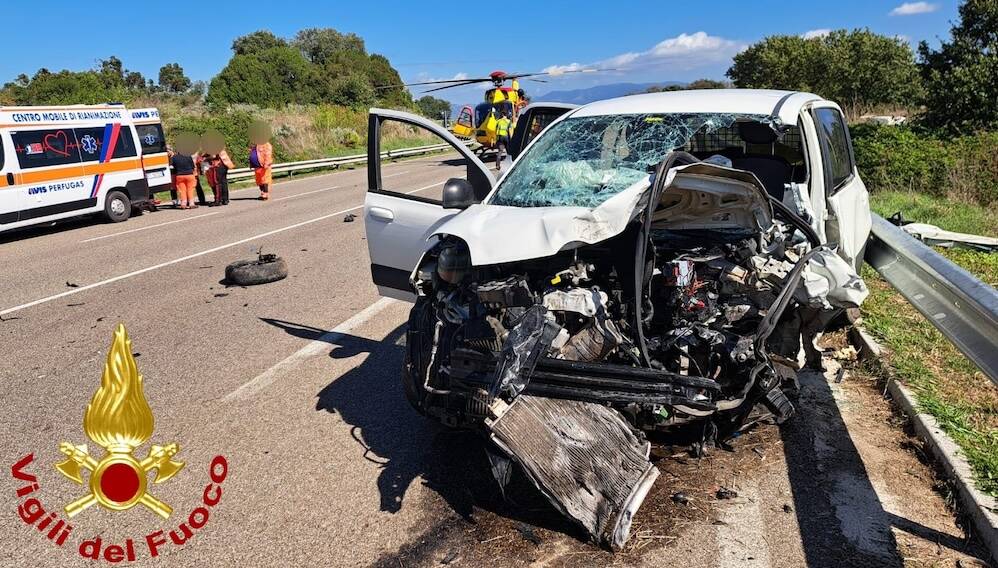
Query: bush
{"points": [[892, 158]]}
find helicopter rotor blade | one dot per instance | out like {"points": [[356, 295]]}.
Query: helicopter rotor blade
{"points": [[456, 81], [460, 84]]}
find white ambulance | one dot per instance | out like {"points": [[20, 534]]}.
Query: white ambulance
{"points": [[59, 162]]}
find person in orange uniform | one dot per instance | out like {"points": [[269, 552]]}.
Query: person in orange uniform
{"points": [[261, 159], [184, 170]]}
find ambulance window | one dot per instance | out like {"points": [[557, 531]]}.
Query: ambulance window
{"points": [[40, 148], [151, 138], [92, 143]]}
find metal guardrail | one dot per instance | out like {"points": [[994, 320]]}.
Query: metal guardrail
{"points": [[962, 307], [240, 173]]}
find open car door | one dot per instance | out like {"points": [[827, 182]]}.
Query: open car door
{"points": [[534, 118], [403, 205], [847, 203]]}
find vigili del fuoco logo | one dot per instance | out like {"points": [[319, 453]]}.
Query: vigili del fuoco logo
{"points": [[118, 420]]}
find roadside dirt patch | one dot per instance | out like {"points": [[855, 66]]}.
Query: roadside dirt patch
{"points": [[914, 497]]}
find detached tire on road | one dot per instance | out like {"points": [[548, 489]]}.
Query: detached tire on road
{"points": [[117, 207], [267, 268]]}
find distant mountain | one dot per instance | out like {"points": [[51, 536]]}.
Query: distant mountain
{"points": [[598, 93]]}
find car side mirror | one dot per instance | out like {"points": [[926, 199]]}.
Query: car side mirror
{"points": [[458, 194]]}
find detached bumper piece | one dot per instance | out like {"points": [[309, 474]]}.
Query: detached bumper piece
{"points": [[584, 457]]}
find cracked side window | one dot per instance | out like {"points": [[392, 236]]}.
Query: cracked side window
{"points": [[583, 161]]}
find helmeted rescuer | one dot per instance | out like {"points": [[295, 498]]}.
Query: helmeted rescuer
{"points": [[504, 127], [261, 158]]}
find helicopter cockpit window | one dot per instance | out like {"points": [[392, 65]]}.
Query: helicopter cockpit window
{"points": [[504, 109], [482, 112]]}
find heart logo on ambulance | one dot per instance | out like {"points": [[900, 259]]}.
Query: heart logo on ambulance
{"points": [[59, 137]]}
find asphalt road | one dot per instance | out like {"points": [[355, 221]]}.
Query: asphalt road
{"points": [[295, 383]]}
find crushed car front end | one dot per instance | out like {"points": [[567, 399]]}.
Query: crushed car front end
{"points": [[615, 283]]}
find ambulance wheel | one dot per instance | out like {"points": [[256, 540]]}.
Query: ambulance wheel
{"points": [[117, 207], [266, 268]]}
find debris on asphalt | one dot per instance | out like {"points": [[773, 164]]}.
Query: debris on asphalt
{"points": [[349, 217], [264, 269], [528, 534], [76, 304], [72, 284], [725, 493], [221, 294], [787, 508]]}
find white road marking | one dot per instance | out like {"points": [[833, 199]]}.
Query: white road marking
{"points": [[189, 257], [316, 347], [217, 212], [149, 227], [306, 193], [741, 540]]}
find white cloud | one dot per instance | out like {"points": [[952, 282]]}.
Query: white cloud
{"points": [[812, 34], [685, 51], [911, 8], [460, 76]]}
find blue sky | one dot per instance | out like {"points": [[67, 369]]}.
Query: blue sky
{"points": [[650, 41]]}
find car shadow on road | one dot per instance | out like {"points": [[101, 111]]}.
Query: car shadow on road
{"points": [[407, 446], [842, 519]]}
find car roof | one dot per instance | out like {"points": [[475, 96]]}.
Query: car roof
{"points": [[783, 104]]}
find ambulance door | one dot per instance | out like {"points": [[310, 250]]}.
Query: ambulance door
{"points": [[10, 200], [50, 182], [155, 161]]}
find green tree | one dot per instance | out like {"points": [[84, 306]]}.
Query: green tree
{"points": [[858, 68], [318, 45], [135, 81], [433, 107], [270, 78], [708, 84], [256, 42], [172, 78], [112, 71], [352, 91], [961, 77]]}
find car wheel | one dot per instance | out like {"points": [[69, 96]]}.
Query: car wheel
{"points": [[267, 268], [418, 343], [117, 207]]}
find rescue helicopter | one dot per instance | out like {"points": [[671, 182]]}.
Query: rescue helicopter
{"points": [[479, 122]]}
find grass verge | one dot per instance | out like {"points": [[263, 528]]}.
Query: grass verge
{"points": [[947, 385]]}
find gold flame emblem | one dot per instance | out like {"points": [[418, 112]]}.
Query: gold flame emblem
{"points": [[119, 419]]}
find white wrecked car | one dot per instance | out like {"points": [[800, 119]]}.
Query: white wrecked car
{"points": [[645, 263]]}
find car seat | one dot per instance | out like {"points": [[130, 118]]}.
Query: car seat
{"points": [[773, 171]]}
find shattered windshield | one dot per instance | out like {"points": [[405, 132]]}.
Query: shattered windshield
{"points": [[583, 161]]}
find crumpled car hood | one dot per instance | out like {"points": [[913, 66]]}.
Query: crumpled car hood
{"points": [[499, 233], [697, 196]]}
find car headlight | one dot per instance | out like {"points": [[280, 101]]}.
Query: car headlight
{"points": [[454, 262]]}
